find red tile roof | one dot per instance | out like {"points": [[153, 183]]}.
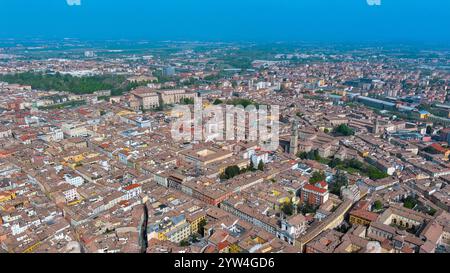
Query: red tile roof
{"points": [[322, 184], [364, 214], [223, 245], [132, 186], [438, 148], [310, 187]]}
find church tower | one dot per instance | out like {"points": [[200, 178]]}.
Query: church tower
{"points": [[293, 147], [376, 126]]}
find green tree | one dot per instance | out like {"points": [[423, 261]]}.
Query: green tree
{"points": [[303, 155], [187, 101], [261, 165], [307, 208], [288, 208], [431, 211], [184, 243], [378, 205], [194, 238], [252, 166], [244, 102], [217, 102], [311, 155], [374, 173], [355, 164], [335, 162], [410, 202], [314, 155], [201, 227], [317, 177], [340, 180], [230, 172], [78, 85], [344, 130]]}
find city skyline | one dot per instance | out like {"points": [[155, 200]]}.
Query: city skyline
{"points": [[259, 21]]}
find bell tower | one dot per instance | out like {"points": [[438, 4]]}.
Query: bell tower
{"points": [[376, 126], [293, 146]]}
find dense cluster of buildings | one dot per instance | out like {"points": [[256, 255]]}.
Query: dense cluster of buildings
{"points": [[105, 175]]}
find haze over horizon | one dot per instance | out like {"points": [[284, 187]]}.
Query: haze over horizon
{"points": [[423, 21]]}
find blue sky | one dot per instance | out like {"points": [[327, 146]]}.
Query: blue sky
{"points": [[229, 20]]}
